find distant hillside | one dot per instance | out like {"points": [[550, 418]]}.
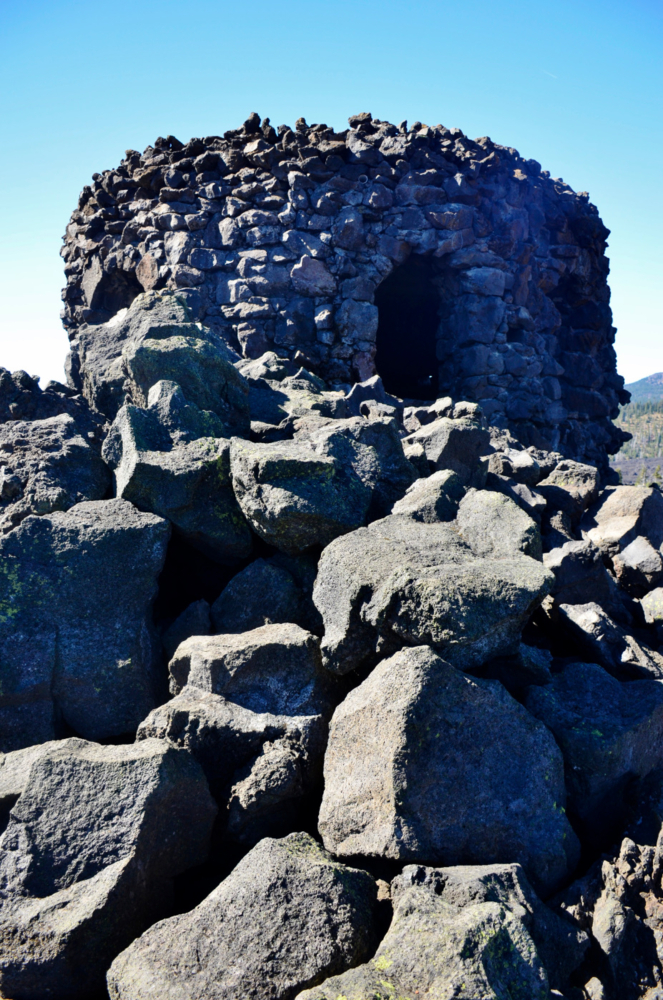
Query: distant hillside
{"points": [[647, 390], [644, 420]]}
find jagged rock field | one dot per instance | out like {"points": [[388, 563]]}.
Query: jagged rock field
{"points": [[310, 690]]}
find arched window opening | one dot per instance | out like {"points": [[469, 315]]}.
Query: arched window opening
{"points": [[408, 306]]}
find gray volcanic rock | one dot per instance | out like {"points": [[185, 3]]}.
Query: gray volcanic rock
{"points": [[626, 525], [76, 637], [432, 499], [156, 339], [273, 401], [171, 459], [328, 481], [46, 465], [275, 668], [261, 594], [608, 732], [233, 944], [21, 398], [620, 903], [88, 856], [424, 762], [292, 496], [527, 499], [258, 764], [194, 620], [571, 487], [601, 639], [456, 444], [623, 514], [442, 942], [580, 576], [465, 587]]}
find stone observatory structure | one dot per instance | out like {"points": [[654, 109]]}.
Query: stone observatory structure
{"points": [[444, 264]]}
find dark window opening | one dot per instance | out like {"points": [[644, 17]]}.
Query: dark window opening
{"points": [[115, 291], [408, 306]]}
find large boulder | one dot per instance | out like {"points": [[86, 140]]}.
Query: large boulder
{"points": [[328, 481], [275, 401], [580, 576], [76, 637], [259, 765], [626, 525], [623, 514], [433, 498], [603, 641], [449, 939], [171, 459], [261, 594], [274, 668], [457, 443], [294, 497], [465, 587], [46, 465], [88, 857], [157, 338], [426, 763], [609, 734], [571, 487], [287, 917]]}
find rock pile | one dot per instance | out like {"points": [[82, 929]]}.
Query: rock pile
{"points": [[446, 264], [311, 692]]}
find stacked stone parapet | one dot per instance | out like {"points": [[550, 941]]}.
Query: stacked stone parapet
{"points": [[281, 240]]}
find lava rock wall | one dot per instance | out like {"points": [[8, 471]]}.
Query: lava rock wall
{"points": [[286, 240]]}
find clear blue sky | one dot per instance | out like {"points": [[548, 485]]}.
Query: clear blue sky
{"points": [[575, 84]]}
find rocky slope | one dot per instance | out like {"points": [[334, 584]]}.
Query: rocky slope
{"points": [[310, 693]]}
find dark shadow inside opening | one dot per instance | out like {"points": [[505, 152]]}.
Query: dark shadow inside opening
{"points": [[115, 291], [408, 306]]}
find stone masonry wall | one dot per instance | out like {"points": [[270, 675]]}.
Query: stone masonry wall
{"points": [[281, 238]]}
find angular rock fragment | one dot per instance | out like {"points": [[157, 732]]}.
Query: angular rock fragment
{"points": [[638, 567], [371, 390], [571, 487], [620, 903], [527, 499], [88, 856], [261, 594], [194, 620], [76, 636], [156, 339], [275, 668], [46, 465], [580, 577], [21, 398], [235, 942], [465, 587], [259, 765], [622, 515], [602, 640], [305, 492], [518, 465], [456, 932], [432, 499], [274, 401], [292, 496], [171, 459], [456, 444], [426, 762], [609, 734]]}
